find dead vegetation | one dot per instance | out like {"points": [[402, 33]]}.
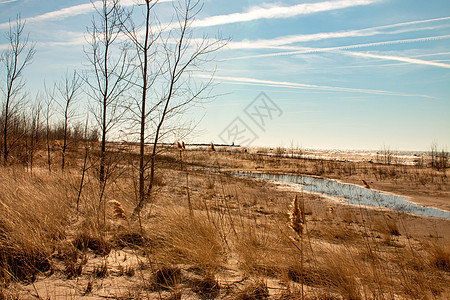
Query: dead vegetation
{"points": [[234, 239]]}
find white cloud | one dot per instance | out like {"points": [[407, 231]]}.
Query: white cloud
{"points": [[71, 11], [7, 1], [254, 13], [277, 42], [294, 85], [276, 12]]}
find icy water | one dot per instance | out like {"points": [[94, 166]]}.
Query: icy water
{"points": [[352, 194]]}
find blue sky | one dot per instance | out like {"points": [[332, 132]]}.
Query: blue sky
{"points": [[343, 74]]}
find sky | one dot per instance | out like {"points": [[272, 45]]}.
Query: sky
{"points": [[336, 74]]}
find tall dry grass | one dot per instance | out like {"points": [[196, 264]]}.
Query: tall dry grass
{"points": [[193, 239], [34, 212]]}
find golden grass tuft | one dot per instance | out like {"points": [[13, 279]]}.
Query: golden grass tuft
{"points": [[296, 217], [118, 210]]}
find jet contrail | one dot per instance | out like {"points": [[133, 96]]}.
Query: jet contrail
{"points": [[398, 58], [277, 12], [253, 81], [305, 50], [70, 11], [290, 39]]}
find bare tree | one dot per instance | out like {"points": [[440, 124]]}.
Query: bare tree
{"points": [[439, 159], [175, 55], [144, 51], [67, 92], [49, 102], [34, 130], [108, 58], [15, 58], [108, 80], [434, 154], [85, 166]]}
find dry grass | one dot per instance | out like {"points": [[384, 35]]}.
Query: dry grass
{"points": [[253, 290], [34, 212], [439, 256], [194, 240], [239, 241]]}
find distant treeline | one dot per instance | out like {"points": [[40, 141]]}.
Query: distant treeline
{"points": [[30, 132]]}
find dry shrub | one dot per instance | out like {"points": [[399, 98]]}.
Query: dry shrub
{"points": [[18, 263], [167, 277], [126, 271], [73, 268], [254, 290], [101, 271], [84, 241], [130, 239], [206, 287], [439, 256]]}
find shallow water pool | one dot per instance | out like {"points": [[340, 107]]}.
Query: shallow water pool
{"points": [[352, 194]]}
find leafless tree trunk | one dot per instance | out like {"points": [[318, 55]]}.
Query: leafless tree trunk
{"points": [[433, 154], [109, 78], [68, 90], [111, 69], [85, 160], [15, 58], [48, 112], [178, 57], [144, 53], [34, 131]]}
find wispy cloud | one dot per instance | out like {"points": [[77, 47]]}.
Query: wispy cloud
{"points": [[7, 1], [294, 85], [371, 31], [70, 11], [339, 49], [277, 12], [397, 64], [254, 13], [398, 58]]}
